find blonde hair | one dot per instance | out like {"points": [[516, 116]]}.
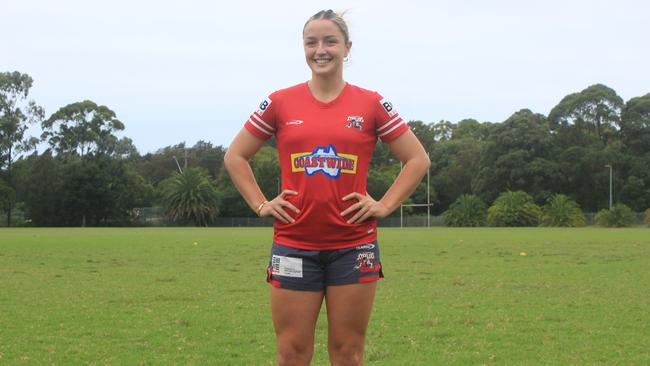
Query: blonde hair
{"points": [[335, 17]]}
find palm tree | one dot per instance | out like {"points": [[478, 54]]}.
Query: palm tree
{"points": [[514, 209], [560, 210], [467, 210], [189, 196]]}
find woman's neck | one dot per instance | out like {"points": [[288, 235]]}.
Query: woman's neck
{"points": [[326, 89]]}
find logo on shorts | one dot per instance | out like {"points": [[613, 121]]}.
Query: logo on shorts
{"points": [[324, 160], [365, 247], [355, 122], [365, 262]]}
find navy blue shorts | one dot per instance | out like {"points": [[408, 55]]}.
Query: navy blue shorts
{"points": [[314, 270]]}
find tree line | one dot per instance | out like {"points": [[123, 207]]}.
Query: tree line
{"points": [[89, 176]]}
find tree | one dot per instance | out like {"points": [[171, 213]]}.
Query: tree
{"points": [[190, 197], [517, 155], [7, 196], [155, 167], [125, 149], [471, 128], [427, 133], [208, 157], [442, 131], [82, 128], [232, 203], [560, 210], [635, 124], [467, 210], [266, 169], [585, 178], [100, 190], [380, 179], [16, 115], [514, 209], [382, 157], [454, 165], [635, 193], [40, 187], [594, 114]]}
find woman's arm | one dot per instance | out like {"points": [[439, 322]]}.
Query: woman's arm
{"points": [[408, 149], [241, 150]]}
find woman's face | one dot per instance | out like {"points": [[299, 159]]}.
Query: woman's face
{"points": [[325, 47]]}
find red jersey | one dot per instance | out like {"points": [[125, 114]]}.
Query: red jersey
{"points": [[324, 151]]}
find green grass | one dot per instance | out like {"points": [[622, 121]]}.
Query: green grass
{"points": [[152, 296]]}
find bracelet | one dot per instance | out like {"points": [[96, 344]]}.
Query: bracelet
{"points": [[259, 208]]}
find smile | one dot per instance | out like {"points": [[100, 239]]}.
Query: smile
{"points": [[322, 61]]}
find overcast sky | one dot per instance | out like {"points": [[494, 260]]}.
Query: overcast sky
{"points": [[177, 71]]}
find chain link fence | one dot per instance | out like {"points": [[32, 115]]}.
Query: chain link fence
{"points": [[155, 216]]}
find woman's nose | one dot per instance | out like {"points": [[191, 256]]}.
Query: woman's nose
{"points": [[320, 49]]}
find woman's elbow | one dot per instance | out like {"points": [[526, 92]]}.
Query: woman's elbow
{"points": [[427, 162], [424, 162], [228, 160]]}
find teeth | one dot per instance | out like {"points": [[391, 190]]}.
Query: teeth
{"points": [[322, 61]]}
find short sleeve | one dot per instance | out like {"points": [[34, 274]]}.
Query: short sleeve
{"points": [[262, 122], [389, 124]]}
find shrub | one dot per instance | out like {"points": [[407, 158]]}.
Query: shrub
{"points": [[514, 209], [560, 210], [619, 216], [647, 217], [189, 196], [467, 210]]}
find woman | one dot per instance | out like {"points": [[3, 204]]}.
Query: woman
{"points": [[324, 243]]}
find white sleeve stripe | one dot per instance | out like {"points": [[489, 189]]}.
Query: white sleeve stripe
{"points": [[262, 122], [392, 129], [388, 124], [260, 128]]}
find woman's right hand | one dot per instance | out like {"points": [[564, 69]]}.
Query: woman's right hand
{"points": [[276, 207]]}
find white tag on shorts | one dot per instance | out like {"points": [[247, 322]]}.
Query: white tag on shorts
{"points": [[286, 266]]}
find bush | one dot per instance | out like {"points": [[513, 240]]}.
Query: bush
{"points": [[647, 217], [467, 210], [619, 216], [560, 210], [190, 196], [514, 209]]}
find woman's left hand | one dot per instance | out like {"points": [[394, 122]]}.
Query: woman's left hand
{"points": [[366, 207]]}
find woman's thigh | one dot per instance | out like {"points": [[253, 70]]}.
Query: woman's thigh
{"points": [[295, 313], [348, 311]]}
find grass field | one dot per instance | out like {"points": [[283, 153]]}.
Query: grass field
{"points": [[161, 296]]}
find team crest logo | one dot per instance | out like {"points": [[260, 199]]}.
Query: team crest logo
{"points": [[324, 160], [365, 262], [355, 122]]}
